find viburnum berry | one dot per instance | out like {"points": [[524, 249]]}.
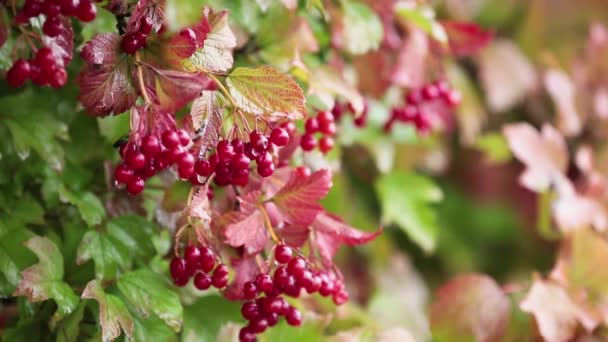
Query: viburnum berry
{"points": [[131, 42], [311, 126], [145, 25], [258, 141], [68, 7], [150, 145], [308, 142], [279, 136], [123, 173], [293, 317], [135, 159], [18, 73], [202, 281], [135, 185], [170, 139], [52, 26], [86, 11], [326, 144], [282, 253], [264, 283]]}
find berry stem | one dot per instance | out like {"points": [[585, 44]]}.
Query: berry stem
{"points": [[140, 77], [223, 89], [268, 224]]}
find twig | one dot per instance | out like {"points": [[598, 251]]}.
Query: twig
{"points": [[223, 89], [268, 224], [140, 77]]}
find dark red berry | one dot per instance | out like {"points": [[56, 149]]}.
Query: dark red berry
{"points": [[240, 177], [314, 285], [311, 126], [186, 161], [308, 142], [178, 268], [86, 11], [246, 335], [303, 171], [327, 287], [148, 171], [272, 319], [273, 305], [221, 270], [202, 281], [135, 159], [193, 255], [289, 126], [258, 141], [328, 128], [44, 57], [340, 297], [145, 25], [250, 291], [293, 317], [18, 73], [430, 92], [413, 97], [170, 139], [282, 254], [281, 276], [259, 325], [225, 151], [150, 145], [279, 136], [130, 43], [361, 120], [264, 283], [135, 185], [58, 78], [238, 145], [123, 173], [32, 8], [219, 281], [68, 7], [203, 168], [180, 281], [251, 152], [326, 144], [265, 170], [207, 259], [184, 138], [250, 311], [52, 26], [324, 117], [296, 266], [337, 110]]}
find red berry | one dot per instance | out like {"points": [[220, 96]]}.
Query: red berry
{"points": [[279, 136], [289, 126], [259, 325], [314, 285], [337, 110], [170, 139], [453, 98], [281, 277], [150, 145], [327, 287], [202, 281], [328, 128], [246, 335], [148, 170], [135, 159], [225, 151], [44, 57], [135, 185], [130, 43], [293, 317], [361, 120], [207, 259], [52, 26], [193, 255], [58, 78], [326, 144], [250, 311], [219, 281], [308, 142], [282, 254], [265, 170], [32, 8], [203, 168], [123, 173], [186, 161], [145, 25], [258, 141], [86, 11], [296, 266], [264, 283], [180, 281], [68, 7], [184, 138], [272, 319], [413, 97], [238, 145], [250, 291], [240, 177], [18, 73], [311, 126], [303, 171], [251, 152], [340, 297], [324, 117], [221, 270], [51, 8], [430, 92], [273, 305], [178, 268]]}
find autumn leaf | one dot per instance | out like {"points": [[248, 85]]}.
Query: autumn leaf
{"points": [[330, 232], [105, 83], [216, 54], [544, 154], [470, 307], [298, 200], [62, 45], [206, 115], [466, 38], [174, 89], [266, 90], [245, 269], [151, 9], [327, 84], [44, 280], [113, 313], [246, 226]]}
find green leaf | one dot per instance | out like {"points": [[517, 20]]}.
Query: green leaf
{"points": [[148, 292], [113, 313], [114, 127], [405, 199], [43, 280], [135, 232], [204, 318], [362, 28], [108, 253], [90, 207], [310, 330], [495, 147], [69, 329], [152, 329], [424, 18], [266, 90], [13, 255]]}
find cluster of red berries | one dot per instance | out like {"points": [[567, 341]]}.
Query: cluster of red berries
{"points": [[42, 70], [133, 41], [324, 124], [231, 160], [413, 113], [152, 155], [265, 303], [83, 10], [340, 109], [200, 263]]}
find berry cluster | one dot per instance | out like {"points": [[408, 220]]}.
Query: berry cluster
{"points": [[413, 113], [152, 155], [324, 124], [231, 161], [53, 10], [265, 303], [340, 109], [198, 262], [133, 41], [42, 70]]}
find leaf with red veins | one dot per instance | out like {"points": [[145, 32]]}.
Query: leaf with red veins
{"points": [[206, 115], [174, 89], [557, 315], [246, 227], [544, 154], [298, 200], [152, 9], [105, 83], [113, 313], [466, 38], [470, 307], [182, 46], [216, 54], [199, 206], [62, 45], [245, 269], [330, 232]]}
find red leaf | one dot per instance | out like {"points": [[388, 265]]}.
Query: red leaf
{"points": [[245, 269], [151, 9], [470, 307], [174, 89], [330, 232], [181, 46], [105, 83], [246, 227], [466, 38], [206, 116], [62, 45], [298, 199]]}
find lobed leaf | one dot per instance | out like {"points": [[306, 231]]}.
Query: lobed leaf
{"points": [[90, 207], [246, 227], [466, 38], [206, 115], [172, 90], [266, 90], [113, 313], [108, 254]]}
